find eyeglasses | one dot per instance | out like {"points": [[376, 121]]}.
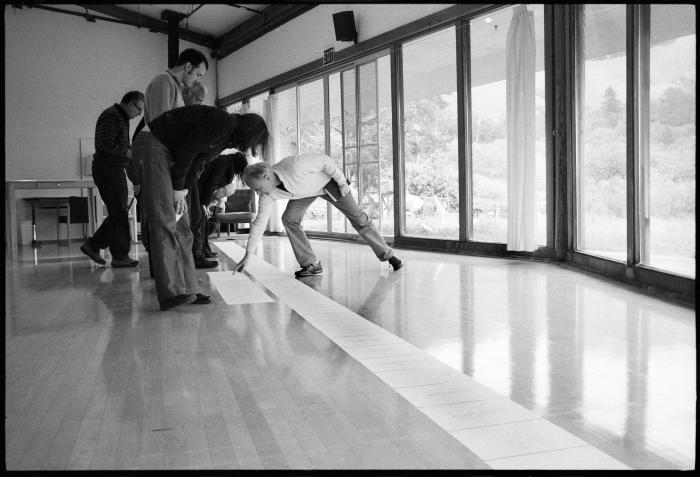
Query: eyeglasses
{"points": [[140, 108]]}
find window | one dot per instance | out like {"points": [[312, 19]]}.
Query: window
{"points": [[488, 43], [255, 104], [601, 168], [287, 122], [667, 161], [236, 107], [312, 132], [430, 136]]}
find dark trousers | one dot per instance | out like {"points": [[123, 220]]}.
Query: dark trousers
{"points": [[197, 220], [211, 225], [114, 231]]}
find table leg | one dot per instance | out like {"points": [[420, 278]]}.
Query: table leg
{"points": [[91, 211], [34, 241], [11, 221]]}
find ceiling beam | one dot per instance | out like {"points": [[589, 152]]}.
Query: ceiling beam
{"points": [[152, 24], [273, 16]]}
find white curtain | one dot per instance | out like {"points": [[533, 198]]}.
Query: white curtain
{"points": [[520, 110], [272, 156]]}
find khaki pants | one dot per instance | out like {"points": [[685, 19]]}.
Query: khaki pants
{"points": [[294, 213]]}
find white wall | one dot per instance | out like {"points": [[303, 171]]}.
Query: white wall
{"points": [[61, 72], [303, 40]]}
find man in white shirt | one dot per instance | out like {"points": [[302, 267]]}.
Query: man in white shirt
{"points": [[302, 179]]}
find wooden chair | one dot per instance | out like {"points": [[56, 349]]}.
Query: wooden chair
{"points": [[240, 208]]}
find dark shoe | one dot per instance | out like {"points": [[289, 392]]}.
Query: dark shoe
{"points": [[204, 263], [311, 269], [124, 262], [210, 254], [202, 299], [396, 263], [90, 251], [177, 300]]}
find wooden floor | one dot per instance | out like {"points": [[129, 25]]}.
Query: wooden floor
{"points": [[98, 378]]}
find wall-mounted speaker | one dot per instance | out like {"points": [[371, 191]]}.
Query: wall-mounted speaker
{"points": [[344, 24]]}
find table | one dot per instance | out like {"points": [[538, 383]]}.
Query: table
{"points": [[45, 202], [94, 213]]}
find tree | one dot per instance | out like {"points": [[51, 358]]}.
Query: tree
{"points": [[676, 106], [611, 107]]}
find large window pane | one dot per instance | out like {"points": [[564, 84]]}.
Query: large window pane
{"points": [[386, 150], [430, 136], [368, 197], [287, 117], [336, 140], [601, 165], [312, 128], [671, 181], [236, 107], [255, 104], [488, 40]]}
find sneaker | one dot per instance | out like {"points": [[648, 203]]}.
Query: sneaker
{"points": [[123, 262], [177, 300], [90, 251], [204, 263], [395, 263], [311, 269]]}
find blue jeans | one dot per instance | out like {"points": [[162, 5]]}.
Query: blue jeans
{"points": [[170, 241], [294, 214]]}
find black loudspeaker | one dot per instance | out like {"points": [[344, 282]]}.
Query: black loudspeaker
{"points": [[344, 24]]}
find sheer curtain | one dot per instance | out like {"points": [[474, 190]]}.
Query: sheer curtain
{"points": [[272, 156], [520, 108]]}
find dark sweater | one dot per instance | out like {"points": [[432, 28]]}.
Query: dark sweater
{"points": [[112, 138], [194, 135]]}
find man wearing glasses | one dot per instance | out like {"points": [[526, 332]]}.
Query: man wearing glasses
{"points": [[112, 156]]}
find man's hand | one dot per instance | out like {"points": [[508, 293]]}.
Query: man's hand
{"points": [[241, 265], [207, 212], [179, 201], [344, 189], [137, 190]]}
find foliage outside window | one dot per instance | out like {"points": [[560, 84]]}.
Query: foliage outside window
{"points": [[602, 161], [672, 141], [430, 136]]}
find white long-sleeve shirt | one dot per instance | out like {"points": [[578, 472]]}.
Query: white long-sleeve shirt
{"points": [[302, 176]]}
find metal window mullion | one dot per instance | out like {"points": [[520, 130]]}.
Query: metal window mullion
{"points": [[464, 136], [642, 197], [297, 91], [549, 124], [357, 133], [378, 162], [397, 118], [327, 132], [575, 190]]}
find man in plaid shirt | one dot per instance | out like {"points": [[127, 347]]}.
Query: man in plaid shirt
{"points": [[112, 155]]}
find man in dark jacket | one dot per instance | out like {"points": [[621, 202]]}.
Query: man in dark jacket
{"points": [[183, 139], [112, 155]]}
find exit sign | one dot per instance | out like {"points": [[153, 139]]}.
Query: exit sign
{"points": [[327, 56]]}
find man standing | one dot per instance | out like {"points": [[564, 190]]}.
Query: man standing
{"points": [[181, 139], [112, 155], [163, 93], [302, 179]]}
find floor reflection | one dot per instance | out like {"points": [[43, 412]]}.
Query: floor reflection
{"points": [[613, 366]]}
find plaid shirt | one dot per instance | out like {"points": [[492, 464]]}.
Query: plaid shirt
{"points": [[112, 138]]}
